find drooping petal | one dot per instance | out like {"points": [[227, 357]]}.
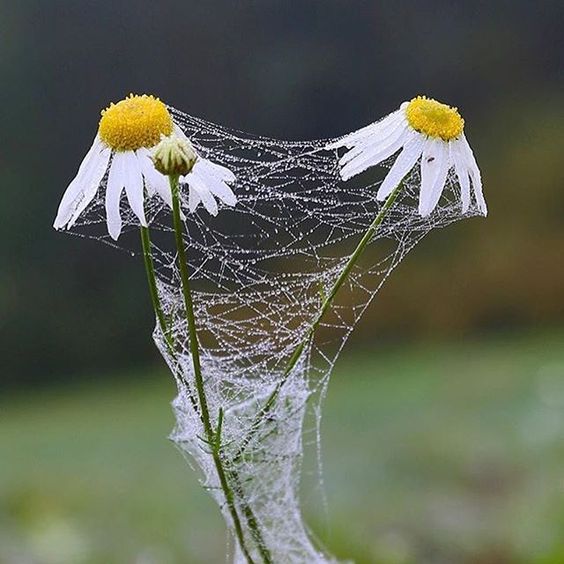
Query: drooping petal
{"points": [[147, 169], [468, 156], [193, 199], [114, 189], [197, 183], [354, 138], [403, 164], [155, 182], [214, 177], [434, 169], [375, 154], [461, 170], [380, 131], [164, 192], [91, 182], [76, 188], [223, 192], [209, 202], [83, 188], [379, 137], [134, 185], [214, 170]]}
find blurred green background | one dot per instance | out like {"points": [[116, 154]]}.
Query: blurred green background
{"points": [[443, 433]]}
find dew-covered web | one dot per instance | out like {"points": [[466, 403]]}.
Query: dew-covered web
{"points": [[259, 272]]}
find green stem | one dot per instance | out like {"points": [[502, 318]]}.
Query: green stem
{"points": [[326, 303], [251, 518], [152, 282], [212, 438]]}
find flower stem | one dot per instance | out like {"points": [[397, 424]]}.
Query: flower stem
{"points": [[326, 303], [213, 438], [152, 282]]}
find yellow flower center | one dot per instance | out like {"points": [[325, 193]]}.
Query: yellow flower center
{"points": [[134, 122], [434, 119]]}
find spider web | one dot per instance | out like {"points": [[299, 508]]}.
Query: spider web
{"points": [[258, 273]]}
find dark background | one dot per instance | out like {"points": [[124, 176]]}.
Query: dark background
{"points": [[292, 70]]}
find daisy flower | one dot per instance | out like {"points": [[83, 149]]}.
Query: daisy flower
{"points": [[127, 133], [424, 130]]}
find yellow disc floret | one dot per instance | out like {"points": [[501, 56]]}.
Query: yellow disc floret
{"points": [[434, 119], [134, 122]]}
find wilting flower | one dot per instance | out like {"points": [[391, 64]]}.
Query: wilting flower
{"points": [[127, 133], [423, 129]]}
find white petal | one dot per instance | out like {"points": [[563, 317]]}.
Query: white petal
{"points": [[213, 176], [91, 183], [376, 154], [404, 163], [434, 168], [461, 172], [223, 192], [193, 199], [198, 184], [164, 191], [209, 201], [214, 170], [368, 131], [351, 139], [378, 137], [155, 182], [146, 166], [74, 192], [134, 185], [468, 156], [178, 131], [84, 186], [116, 183]]}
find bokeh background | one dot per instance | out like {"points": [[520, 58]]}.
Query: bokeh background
{"points": [[443, 435]]}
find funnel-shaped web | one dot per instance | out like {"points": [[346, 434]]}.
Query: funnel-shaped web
{"points": [[259, 272]]}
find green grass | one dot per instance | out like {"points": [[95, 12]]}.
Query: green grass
{"points": [[437, 454]]}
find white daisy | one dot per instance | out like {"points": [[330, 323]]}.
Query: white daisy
{"points": [[423, 129], [127, 133]]}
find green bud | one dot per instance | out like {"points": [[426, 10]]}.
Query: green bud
{"points": [[174, 156]]}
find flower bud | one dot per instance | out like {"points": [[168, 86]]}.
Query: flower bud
{"points": [[174, 156]]}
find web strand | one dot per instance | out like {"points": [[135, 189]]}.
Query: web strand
{"points": [[258, 272]]}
